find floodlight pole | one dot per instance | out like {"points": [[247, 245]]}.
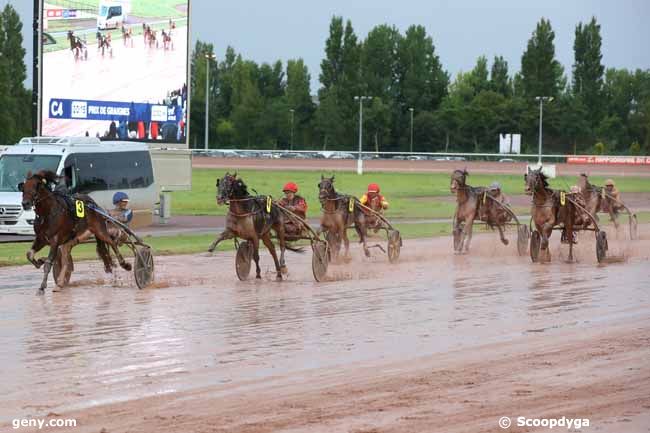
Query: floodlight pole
{"points": [[541, 100], [360, 161]]}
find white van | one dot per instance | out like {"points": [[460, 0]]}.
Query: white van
{"points": [[89, 166], [112, 14]]}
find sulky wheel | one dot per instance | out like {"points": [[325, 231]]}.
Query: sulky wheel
{"points": [[319, 260], [394, 245], [601, 246], [243, 260], [144, 267], [535, 243], [523, 234], [56, 269]]}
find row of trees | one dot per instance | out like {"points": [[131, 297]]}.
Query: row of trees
{"points": [[16, 110], [270, 106]]}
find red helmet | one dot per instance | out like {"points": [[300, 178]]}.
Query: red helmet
{"points": [[373, 187], [290, 186]]}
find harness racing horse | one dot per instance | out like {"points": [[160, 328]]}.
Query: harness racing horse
{"points": [[595, 197], [167, 40], [57, 225], [251, 218], [549, 209], [76, 45], [127, 36], [339, 212], [471, 205]]}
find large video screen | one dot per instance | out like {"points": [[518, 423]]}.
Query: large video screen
{"points": [[115, 69]]}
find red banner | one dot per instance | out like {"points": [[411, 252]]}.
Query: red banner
{"points": [[609, 160]]}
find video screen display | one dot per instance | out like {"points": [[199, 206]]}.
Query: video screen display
{"points": [[115, 69]]}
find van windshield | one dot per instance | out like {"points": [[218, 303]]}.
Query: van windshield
{"points": [[14, 168]]}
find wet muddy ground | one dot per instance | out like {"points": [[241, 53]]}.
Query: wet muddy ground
{"points": [[379, 347]]}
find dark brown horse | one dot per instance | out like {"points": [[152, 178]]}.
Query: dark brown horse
{"points": [[339, 212], [549, 209], [251, 218], [472, 204], [61, 225]]}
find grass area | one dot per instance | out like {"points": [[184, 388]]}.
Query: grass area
{"points": [[411, 195]]}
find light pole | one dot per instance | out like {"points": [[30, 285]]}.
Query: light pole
{"points": [[411, 110], [360, 161], [291, 111], [208, 57], [541, 100]]}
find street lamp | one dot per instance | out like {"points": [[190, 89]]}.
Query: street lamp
{"points": [[360, 161], [208, 57], [541, 100], [411, 110], [291, 110]]}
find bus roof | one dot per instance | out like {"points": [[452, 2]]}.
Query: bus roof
{"points": [[61, 145]]}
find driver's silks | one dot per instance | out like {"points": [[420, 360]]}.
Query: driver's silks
{"points": [[269, 201], [562, 198], [80, 208], [351, 204]]}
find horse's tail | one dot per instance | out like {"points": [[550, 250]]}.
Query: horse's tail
{"points": [[105, 254]]}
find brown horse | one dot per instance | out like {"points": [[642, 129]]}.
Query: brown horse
{"points": [[251, 218], [549, 209], [472, 205], [62, 227], [595, 198], [339, 212]]}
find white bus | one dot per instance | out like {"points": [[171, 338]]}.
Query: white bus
{"points": [[87, 165], [112, 14]]}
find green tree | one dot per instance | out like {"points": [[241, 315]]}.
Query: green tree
{"points": [[499, 80], [198, 72], [16, 116], [299, 99], [340, 75], [541, 73], [588, 69], [479, 76]]}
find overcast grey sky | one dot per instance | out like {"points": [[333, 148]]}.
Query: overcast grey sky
{"points": [[462, 30]]}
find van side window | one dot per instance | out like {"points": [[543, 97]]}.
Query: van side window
{"points": [[110, 171]]}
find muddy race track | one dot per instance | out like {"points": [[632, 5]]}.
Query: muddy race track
{"points": [[436, 343]]}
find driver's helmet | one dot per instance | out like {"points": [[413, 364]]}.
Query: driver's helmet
{"points": [[495, 186]]}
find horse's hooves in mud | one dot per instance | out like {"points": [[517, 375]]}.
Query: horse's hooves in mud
{"points": [[57, 288], [210, 250], [258, 277], [39, 263], [40, 291], [505, 241], [367, 253], [278, 277], [284, 270], [127, 266]]}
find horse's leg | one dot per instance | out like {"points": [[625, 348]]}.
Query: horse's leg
{"points": [[269, 245], [279, 231], [256, 256], [502, 235], [363, 230], [227, 234], [344, 235], [546, 231], [103, 235], [469, 225], [37, 245], [48, 266]]}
